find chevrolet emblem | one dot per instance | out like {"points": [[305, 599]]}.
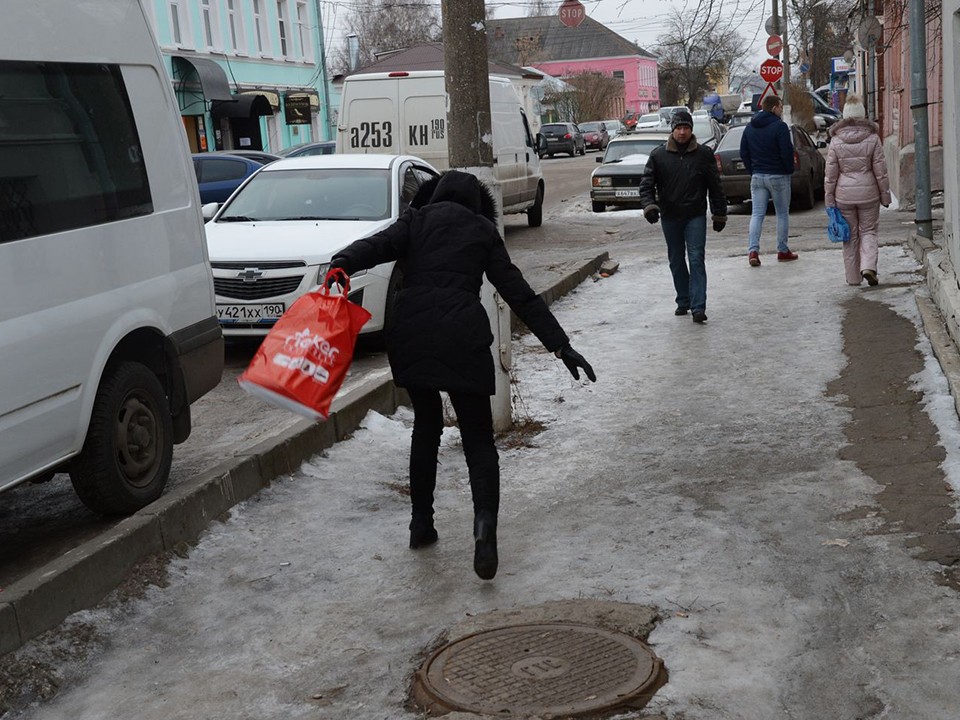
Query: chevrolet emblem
{"points": [[250, 275]]}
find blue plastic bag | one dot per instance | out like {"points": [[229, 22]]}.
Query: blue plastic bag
{"points": [[837, 228]]}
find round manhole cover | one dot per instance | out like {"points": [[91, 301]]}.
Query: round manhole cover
{"points": [[542, 669]]}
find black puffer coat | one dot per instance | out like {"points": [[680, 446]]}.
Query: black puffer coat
{"points": [[444, 243]]}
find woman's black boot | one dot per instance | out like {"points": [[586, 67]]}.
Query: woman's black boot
{"points": [[422, 532], [485, 550]]}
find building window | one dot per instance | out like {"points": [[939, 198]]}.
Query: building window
{"points": [[303, 30], [259, 26], [211, 29], [235, 18], [618, 74], [282, 26], [175, 15]]}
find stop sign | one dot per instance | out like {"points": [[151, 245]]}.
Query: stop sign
{"points": [[572, 13], [771, 70], [774, 45]]}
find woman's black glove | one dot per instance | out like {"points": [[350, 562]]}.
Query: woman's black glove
{"points": [[652, 214], [336, 275], [719, 225], [574, 362]]}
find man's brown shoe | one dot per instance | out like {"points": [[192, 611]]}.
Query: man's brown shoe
{"points": [[754, 259], [785, 256]]}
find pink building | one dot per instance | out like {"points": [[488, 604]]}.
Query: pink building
{"points": [[551, 47]]}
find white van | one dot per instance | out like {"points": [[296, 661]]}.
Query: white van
{"points": [[405, 113], [107, 322]]}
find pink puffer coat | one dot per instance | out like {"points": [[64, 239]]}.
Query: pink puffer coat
{"points": [[856, 170]]}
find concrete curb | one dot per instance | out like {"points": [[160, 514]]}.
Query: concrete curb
{"points": [[83, 576], [939, 312]]}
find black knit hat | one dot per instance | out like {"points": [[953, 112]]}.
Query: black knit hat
{"points": [[681, 117]]}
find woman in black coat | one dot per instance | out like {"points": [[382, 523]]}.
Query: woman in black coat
{"points": [[440, 338]]}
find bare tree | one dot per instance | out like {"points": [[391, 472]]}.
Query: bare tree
{"points": [[822, 31], [585, 96], [700, 47], [386, 25], [537, 8]]}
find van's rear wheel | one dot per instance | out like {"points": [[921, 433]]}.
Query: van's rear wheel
{"points": [[535, 213], [126, 457], [598, 206]]}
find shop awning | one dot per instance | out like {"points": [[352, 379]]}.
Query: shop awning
{"points": [[212, 78], [242, 106]]}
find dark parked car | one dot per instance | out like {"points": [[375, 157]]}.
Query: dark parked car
{"points": [[323, 147], [808, 163], [562, 138], [261, 156], [617, 180], [708, 131], [218, 175], [740, 118], [595, 135]]}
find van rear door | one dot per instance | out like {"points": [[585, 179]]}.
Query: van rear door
{"points": [[403, 115]]}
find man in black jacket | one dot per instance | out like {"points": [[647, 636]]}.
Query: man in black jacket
{"points": [[679, 176], [440, 338]]}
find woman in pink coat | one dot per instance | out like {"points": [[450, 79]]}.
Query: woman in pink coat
{"points": [[858, 185]]}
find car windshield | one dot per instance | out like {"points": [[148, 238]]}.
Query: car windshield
{"points": [[616, 151], [732, 139], [702, 128], [554, 129], [589, 127], [312, 194], [652, 117]]}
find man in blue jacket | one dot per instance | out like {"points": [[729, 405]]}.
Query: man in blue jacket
{"points": [[767, 152]]}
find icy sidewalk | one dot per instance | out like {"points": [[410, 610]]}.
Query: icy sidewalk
{"points": [[699, 475]]}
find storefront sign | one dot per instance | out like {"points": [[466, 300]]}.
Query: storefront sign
{"points": [[296, 110]]}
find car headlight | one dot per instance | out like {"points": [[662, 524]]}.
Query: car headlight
{"points": [[322, 271], [324, 268], [602, 181]]}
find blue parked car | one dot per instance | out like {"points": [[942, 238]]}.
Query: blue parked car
{"points": [[218, 175], [322, 147]]}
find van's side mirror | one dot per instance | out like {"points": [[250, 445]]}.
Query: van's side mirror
{"points": [[541, 143], [599, 158], [821, 144], [209, 210]]}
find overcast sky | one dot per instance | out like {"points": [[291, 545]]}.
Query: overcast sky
{"points": [[640, 21]]}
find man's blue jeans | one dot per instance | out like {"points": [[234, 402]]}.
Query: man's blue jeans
{"points": [[762, 188], [688, 238]]}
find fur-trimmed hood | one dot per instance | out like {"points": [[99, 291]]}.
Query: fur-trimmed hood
{"points": [[856, 129], [459, 187]]}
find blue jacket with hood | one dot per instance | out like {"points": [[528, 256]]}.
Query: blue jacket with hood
{"points": [[766, 147]]}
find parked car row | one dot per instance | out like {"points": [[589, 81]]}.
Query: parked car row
{"points": [[577, 138], [617, 181]]}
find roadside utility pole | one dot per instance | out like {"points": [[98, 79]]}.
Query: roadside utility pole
{"points": [[921, 124], [786, 55], [470, 146]]}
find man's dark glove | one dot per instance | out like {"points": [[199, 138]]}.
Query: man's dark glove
{"points": [[575, 362], [336, 275], [652, 215], [719, 225]]}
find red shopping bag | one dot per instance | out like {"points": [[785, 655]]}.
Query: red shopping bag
{"points": [[304, 359]]}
